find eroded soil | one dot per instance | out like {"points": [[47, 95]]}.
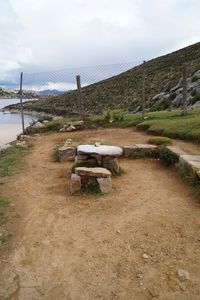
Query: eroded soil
{"points": [[92, 246]]}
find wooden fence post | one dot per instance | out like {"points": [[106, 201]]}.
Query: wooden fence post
{"points": [[21, 103], [81, 109], [143, 90], [184, 90]]}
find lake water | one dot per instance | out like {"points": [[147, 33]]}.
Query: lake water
{"points": [[10, 124]]}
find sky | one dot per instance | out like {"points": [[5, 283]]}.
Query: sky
{"points": [[47, 35]]}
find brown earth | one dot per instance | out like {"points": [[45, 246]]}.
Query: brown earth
{"points": [[91, 246]]}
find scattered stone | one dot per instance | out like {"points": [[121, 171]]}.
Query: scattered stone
{"points": [[37, 125], [45, 121], [22, 144], [183, 275], [67, 142], [70, 128], [93, 172], [57, 118], [25, 137], [145, 256], [67, 153], [75, 183], [105, 184]]}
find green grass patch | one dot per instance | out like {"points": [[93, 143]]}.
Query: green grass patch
{"points": [[10, 159], [160, 140], [3, 204], [167, 157]]}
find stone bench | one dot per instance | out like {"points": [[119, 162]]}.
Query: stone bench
{"points": [[83, 174], [147, 149]]}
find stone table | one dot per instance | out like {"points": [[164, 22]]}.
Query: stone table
{"points": [[103, 155]]}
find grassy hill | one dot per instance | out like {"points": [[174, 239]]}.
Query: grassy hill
{"points": [[124, 90]]}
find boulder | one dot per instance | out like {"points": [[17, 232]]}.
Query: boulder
{"points": [[110, 163], [67, 153], [75, 183], [93, 172], [70, 128], [37, 125], [105, 184]]}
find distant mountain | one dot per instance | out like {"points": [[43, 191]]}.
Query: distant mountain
{"points": [[49, 92], [163, 85]]}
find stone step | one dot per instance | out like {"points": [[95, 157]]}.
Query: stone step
{"points": [[176, 150], [93, 172]]}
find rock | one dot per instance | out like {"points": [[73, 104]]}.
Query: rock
{"points": [[67, 142], [100, 150], [37, 125], [25, 137], [110, 163], [57, 118], [105, 185], [67, 153], [128, 150], [80, 158], [75, 183], [22, 144], [145, 147], [192, 161], [145, 256], [93, 172], [175, 150], [45, 121], [183, 275], [158, 96], [71, 128]]}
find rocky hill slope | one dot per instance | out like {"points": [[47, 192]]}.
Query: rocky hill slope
{"points": [[163, 85]]}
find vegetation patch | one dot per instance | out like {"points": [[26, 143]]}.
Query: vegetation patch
{"points": [[91, 186], [190, 176], [167, 157], [160, 140], [3, 204], [10, 159]]}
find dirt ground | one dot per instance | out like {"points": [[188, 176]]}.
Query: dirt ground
{"points": [[128, 244]]}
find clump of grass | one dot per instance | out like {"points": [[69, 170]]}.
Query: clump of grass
{"points": [[4, 236], [91, 187], [10, 158], [167, 157], [3, 204], [160, 140]]}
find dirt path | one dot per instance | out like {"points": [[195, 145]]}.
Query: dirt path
{"points": [[91, 247]]}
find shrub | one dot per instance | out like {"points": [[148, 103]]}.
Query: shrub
{"points": [[194, 78], [160, 140], [194, 99], [167, 157], [114, 115]]}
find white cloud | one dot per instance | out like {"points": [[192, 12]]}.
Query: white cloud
{"points": [[52, 34]]}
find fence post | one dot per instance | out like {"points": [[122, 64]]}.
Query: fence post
{"points": [[184, 89], [143, 90], [78, 81], [21, 103]]}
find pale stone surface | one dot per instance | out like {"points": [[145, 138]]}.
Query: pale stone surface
{"points": [[21, 144], [75, 183], [101, 150], [183, 275], [67, 153], [93, 172], [71, 128], [177, 151], [146, 146], [105, 184], [37, 125], [191, 160]]}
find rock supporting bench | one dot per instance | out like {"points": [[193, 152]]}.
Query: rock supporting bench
{"points": [[82, 177], [101, 155], [146, 149]]}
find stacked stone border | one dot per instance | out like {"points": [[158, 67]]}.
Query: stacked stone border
{"points": [[187, 164]]}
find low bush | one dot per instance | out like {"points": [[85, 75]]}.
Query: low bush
{"points": [[167, 157], [160, 140]]}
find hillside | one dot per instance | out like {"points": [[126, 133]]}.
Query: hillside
{"points": [[124, 91], [11, 93]]}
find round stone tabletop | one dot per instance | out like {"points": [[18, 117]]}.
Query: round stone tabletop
{"points": [[103, 150]]}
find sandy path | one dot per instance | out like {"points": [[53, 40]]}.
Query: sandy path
{"points": [[91, 247]]}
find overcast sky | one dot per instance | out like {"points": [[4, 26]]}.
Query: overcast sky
{"points": [[42, 35]]}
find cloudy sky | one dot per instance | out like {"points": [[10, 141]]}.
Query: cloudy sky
{"points": [[44, 35]]}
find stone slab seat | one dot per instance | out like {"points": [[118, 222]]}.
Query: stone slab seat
{"points": [[103, 150], [175, 150], [190, 160], [92, 172]]}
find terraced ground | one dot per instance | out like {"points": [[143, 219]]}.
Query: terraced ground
{"points": [[128, 244]]}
